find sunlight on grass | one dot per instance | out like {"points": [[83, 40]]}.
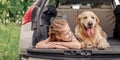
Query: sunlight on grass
{"points": [[9, 42]]}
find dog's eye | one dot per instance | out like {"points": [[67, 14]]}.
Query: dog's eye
{"points": [[92, 17], [85, 17]]}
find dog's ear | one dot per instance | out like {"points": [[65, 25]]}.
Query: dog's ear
{"points": [[78, 19], [97, 20]]}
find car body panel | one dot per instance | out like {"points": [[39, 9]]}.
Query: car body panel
{"points": [[25, 36]]}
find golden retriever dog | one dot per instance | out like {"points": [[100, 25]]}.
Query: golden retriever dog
{"points": [[90, 32]]}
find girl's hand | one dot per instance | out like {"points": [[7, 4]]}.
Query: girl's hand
{"points": [[60, 47], [57, 45]]}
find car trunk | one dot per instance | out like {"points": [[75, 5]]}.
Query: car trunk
{"points": [[107, 22]]}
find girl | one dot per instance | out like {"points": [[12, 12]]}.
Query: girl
{"points": [[60, 36]]}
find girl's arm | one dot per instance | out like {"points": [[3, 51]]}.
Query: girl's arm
{"points": [[43, 44], [74, 44], [46, 44]]}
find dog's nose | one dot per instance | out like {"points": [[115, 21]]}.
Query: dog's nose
{"points": [[90, 23]]}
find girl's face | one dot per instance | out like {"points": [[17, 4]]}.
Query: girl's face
{"points": [[66, 34]]}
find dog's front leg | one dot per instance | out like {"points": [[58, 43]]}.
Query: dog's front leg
{"points": [[103, 44], [86, 44]]}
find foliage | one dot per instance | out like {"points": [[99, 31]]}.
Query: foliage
{"points": [[9, 42], [13, 10]]}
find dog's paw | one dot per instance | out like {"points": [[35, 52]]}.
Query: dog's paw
{"points": [[83, 45], [86, 45], [103, 45]]}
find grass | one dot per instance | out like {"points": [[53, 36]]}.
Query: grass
{"points": [[9, 42]]}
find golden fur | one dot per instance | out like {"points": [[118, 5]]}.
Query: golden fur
{"points": [[90, 32]]}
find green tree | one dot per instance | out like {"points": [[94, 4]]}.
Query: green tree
{"points": [[13, 10]]}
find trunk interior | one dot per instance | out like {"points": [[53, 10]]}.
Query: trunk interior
{"points": [[107, 21]]}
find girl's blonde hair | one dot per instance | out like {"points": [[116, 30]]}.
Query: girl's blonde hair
{"points": [[56, 27]]}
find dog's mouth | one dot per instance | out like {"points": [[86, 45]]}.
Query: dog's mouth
{"points": [[89, 30]]}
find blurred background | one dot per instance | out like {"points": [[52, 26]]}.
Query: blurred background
{"points": [[11, 15]]}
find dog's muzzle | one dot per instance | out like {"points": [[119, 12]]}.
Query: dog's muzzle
{"points": [[90, 24]]}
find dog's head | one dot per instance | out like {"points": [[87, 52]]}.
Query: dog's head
{"points": [[88, 21]]}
